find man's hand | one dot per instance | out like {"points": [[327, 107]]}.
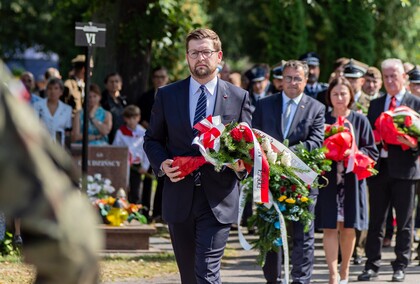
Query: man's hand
{"points": [[238, 166], [407, 142], [171, 172]]}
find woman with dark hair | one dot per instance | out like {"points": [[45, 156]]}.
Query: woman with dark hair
{"points": [[342, 205], [100, 120], [56, 115]]}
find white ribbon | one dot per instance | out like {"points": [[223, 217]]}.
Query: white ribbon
{"points": [[283, 231], [306, 174]]}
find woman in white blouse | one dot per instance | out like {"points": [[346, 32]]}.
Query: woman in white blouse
{"points": [[56, 115]]}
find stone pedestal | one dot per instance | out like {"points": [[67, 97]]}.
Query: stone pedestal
{"points": [[127, 237]]}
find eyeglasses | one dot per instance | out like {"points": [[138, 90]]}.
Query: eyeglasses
{"points": [[289, 79], [193, 54]]}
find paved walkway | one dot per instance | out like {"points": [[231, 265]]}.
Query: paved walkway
{"points": [[243, 268]]}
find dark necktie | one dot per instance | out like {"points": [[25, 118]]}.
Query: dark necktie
{"points": [[200, 113], [200, 109], [393, 103]]}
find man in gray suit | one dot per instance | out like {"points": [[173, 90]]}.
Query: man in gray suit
{"points": [[200, 207], [299, 118], [395, 183]]}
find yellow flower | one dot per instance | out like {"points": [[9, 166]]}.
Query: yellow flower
{"points": [[290, 200], [304, 199], [110, 200], [282, 198]]}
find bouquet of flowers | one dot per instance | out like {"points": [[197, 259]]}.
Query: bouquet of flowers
{"points": [[338, 140], [341, 146], [98, 187], [115, 211], [222, 146], [402, 121], [290, 183]]}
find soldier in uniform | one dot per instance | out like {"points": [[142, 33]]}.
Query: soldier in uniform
{"points": [[37, 184], [277, 73], [373, 83], [313, 87], [354, 71], [260, 86], [414, 81]]}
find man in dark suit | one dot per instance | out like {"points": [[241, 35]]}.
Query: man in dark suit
{"points": [[201, 207], [299, 118], [145, 103], [394, 185]]}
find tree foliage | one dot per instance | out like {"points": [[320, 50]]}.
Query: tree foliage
{"points": [[272, 30]]}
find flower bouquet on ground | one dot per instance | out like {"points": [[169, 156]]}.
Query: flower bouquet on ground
{"points": [[290, 181], [113, 210], [98, 187], [341, 146], [402, 121]]}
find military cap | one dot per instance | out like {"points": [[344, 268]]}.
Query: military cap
{"points": [[373, 72], [311, 58], [277, 72], [257, 74], [414, 75], [354, 69]]}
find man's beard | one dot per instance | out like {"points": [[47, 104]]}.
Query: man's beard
{"points": [[202, 72]]}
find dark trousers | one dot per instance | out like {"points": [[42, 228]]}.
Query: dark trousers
{"points": [[385, 192], [302, 255], [199, 243], [157, 200], [135, 180], [147, 193]]}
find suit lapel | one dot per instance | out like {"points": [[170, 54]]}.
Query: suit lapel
{"points": [[277, 110], [222, 98], [183, 99]]}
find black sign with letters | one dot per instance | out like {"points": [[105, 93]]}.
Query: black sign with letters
{"points": [[90, 34]]}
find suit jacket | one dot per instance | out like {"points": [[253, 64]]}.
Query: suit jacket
{"points": [[145, 103], [401, 164], [319, 87], [170, 134], [307, 124]]}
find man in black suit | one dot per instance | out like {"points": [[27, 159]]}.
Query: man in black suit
{"points": [[159, 79], [299, 118], [394, 185], [201, 207]]}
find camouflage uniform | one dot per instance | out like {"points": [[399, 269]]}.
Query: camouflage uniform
{"points": [[37, 185]]}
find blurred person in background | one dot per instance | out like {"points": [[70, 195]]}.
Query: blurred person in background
{"points": [[160, 78], [49, 73], [28, 81], [100, 120], [414, 81], [113, 101], [56, 115], [45, 199], [313, 87], [373, 83]]}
